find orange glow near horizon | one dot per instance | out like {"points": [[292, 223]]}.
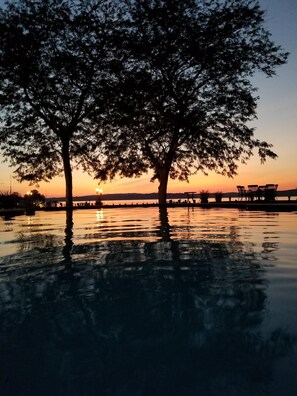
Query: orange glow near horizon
{"points": [[252, 173]]}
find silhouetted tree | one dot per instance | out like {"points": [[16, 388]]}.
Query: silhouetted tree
{"points": [[35, 197], [55, 59], [186, 94], [8, 201]]}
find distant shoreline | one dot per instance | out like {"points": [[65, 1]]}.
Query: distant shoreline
{"points": [[173, 196], [277, 206]]}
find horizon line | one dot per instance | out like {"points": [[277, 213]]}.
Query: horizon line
{"points": [[107, 195]]}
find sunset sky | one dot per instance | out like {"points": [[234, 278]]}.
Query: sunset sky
{"points": [[277, 124]]}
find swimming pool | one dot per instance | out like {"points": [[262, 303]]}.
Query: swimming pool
{"points": [[124, 301]]}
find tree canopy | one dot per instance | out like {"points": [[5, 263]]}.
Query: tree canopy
{"points": [[186, 94], [124, 86], [55, 84]]}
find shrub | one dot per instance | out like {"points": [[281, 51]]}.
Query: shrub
{"points": [[204, 195], [218, 196]]}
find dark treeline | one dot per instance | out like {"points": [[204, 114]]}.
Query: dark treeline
{"points": [[123, 87], [14, 200]]}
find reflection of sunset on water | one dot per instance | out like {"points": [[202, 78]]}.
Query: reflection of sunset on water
{"points": [[256, 228], [186, 289]]}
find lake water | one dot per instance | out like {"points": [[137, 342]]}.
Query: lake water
{"points": [[140, 302]]}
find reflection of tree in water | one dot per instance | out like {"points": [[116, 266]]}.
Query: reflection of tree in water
{"points": [[165, 318], [36, 240], [39, 250], [68, 238], [32, 236]]}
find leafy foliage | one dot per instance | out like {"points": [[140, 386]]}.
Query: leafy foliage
{"points": [[124, 86], [186, 96], [55, 60]]}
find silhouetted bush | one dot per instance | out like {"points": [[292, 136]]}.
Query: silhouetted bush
{"points": [[8, 201]]}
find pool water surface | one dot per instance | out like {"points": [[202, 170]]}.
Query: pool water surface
{"points": [[137, 301]]}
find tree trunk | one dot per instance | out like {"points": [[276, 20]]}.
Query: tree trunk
{"points": [[67, 174], [163, 180]]}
